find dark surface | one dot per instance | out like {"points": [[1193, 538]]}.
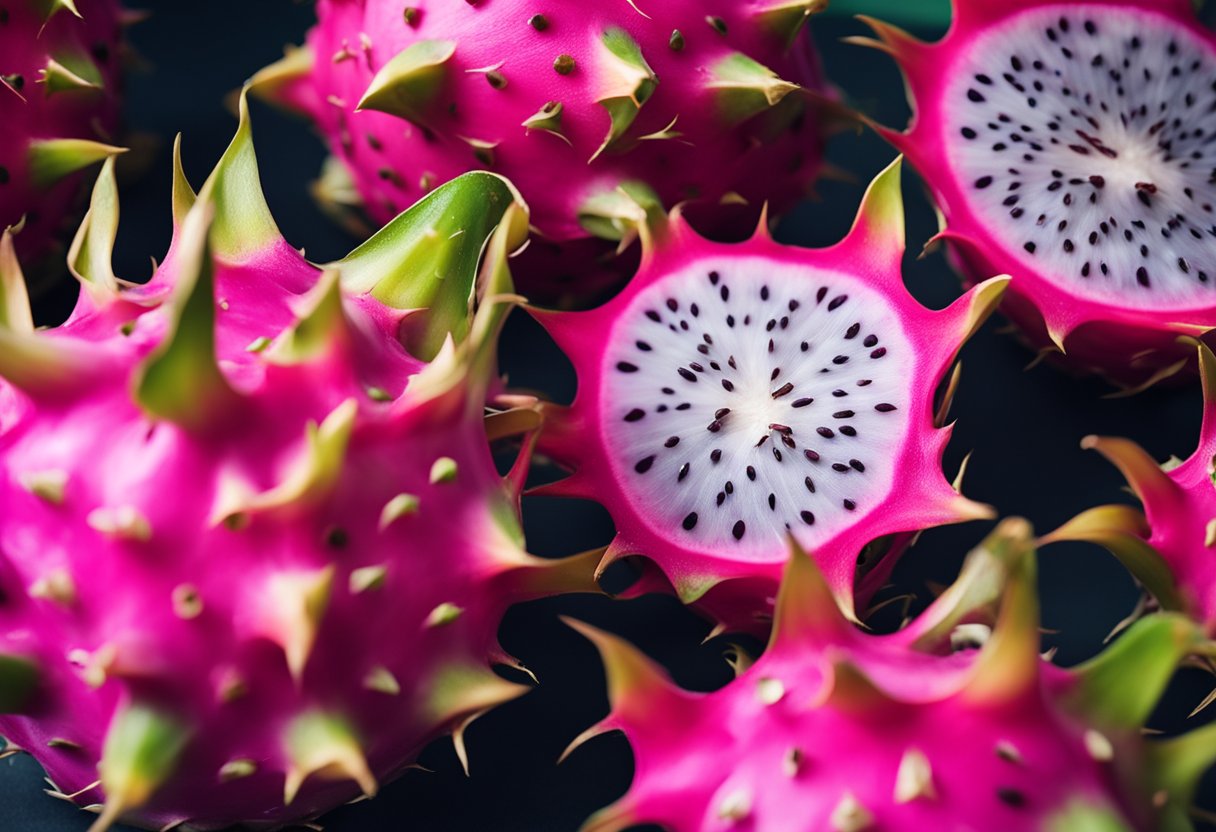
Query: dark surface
{"points": [[1025, 428]]}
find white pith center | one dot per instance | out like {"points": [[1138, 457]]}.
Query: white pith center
{"points": [[744, 399], [1085, 139]]}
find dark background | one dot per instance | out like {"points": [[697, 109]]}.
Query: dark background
{"points": [[1025, 429]]}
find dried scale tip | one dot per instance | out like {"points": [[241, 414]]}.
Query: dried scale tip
{"points": [[385, 355], [812, 373], [929, 747], [597, 59], [1072, 140]]}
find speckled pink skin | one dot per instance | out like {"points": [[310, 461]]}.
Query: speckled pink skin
{"points": [[763, 159], [733, 589], [1132, 347], [29, 113], [462, 546], [851, 707]]}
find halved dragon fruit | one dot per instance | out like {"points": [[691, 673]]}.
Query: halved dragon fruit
{"points": [[59, 73], [253, 551], [735, 395], [1068, 144], [697, 100], [835, 729], [1172, 551]]}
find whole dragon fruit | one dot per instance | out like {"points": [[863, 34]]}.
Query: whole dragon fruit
{"points": [[834, 729], [1067, 144], [59, 73], [698, 101], [1171, 550], [733, 395], [253, 552]]}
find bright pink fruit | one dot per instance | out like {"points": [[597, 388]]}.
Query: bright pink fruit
{"points": [[59, 77], [698, 101], [253, 552], [1068, 145], [1171, 552], [734, 395], [836, 730]]}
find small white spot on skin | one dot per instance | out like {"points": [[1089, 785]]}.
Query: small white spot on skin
{"points": [[770, 691], [851, 333], [736, 806], [1026, 169], [1099, 747], [850, 816], [914, 778], [969, 636], [791, 764]]}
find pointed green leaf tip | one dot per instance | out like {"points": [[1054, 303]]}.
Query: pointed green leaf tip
{"points": [[630, 83], [744, 88], [242, 226], [324, 745], [183, 195], [323, 324], [18, 681], [408, 85], [142, 748], [71, 72], [15, 314], [181, 381], [51, 160], [622, 213], [50, 8], [427, 257], [880, 221], [1149, 653], [786, 18], [90, 258]]}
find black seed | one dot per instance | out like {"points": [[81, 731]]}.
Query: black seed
{"points": [[843, 414], [968, 133], [673, 304], [684, 469], [721, 412], [1142, 276], [690, 522], [805, 346], [884, 407], [983, 182], [852, 331], [538, 22], [739, 528], [644, 465], [807, 518], [671, 442], [849, 505], [635, 415], [810, 484], [715, 456], [840, 467], [975, 97], [763, 293], [871, 340], [751, 473], [5, 178], [772, 502], [826, 433], [727, 385], [729, 487], [721, 497], [1011, 797], [626, 367], [654, 316], [1030, 247], [837, 302], [713, 278], [783, 390], [777, 453], [643, 346], [857, 466], [803, 402], [686, 374], [879, 353], [811, 456], [840, 359], [725, 293]]}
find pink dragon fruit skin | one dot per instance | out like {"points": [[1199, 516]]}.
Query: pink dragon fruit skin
{"points": [[697, 100], [59, 76], [835, 729], [254, 553], [1064, 145], [1169, 550], [659, 429]]}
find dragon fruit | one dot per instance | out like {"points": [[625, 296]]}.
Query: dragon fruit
{"points": [[835, 729], [697, 100], [59, 75], [1170, 550], [733, 395], [1068, 145], [253, 552]]}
